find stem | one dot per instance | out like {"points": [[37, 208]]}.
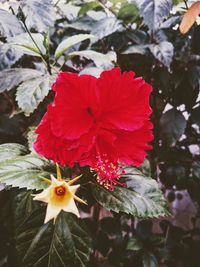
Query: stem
{"points": [[186, 5], [56, 3], [44, 58]]}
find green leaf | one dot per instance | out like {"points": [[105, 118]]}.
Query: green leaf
{"points": [[99, 59], [173, 125], [196, 169], [84, 23], [145, 168], [69, 42], [94, 71], [25, 43], [195, 116], [31, 136], [85, 7], [39, 14], [136, 49], [24, 172], [149, 260], [30, 93], [65, 244], [23, 206], [154, 12], [128, 12], [105, 27], [140, 198], [8, 56], [9, 24], [134, 244], [163, 51], [11, 150], [10, 78]]}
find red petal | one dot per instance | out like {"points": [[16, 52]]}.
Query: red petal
{"points": [[57, 149], [124, 100], [75, 106]]}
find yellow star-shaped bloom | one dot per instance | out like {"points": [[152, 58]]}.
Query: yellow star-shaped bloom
{"points": [[60, 195]]}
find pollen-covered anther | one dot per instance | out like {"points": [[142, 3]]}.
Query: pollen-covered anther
{"points": [[108, 172]]}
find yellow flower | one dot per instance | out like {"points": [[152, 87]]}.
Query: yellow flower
{"points": [[59, 196]]}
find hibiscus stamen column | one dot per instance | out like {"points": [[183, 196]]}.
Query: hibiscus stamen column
{"points": [[108, 172]]}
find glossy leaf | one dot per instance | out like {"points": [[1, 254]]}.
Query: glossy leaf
{"points": [[105, 27], [8, 56], [24, 172], [33, 46], [154, 11], [39, 14], [173, 126], [164, 52], [136, 49], [69, 42], [10, 78], [134, 244], [149, 260], [100, 60], [11, 150], [141, 197], [9, 24], [30, 93], [65, 244]]}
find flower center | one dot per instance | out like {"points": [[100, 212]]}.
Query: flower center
{"points": [[89, 111], [108, 172], [60, 190]]}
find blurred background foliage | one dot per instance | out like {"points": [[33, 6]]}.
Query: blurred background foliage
{"points": [[40, 38]]}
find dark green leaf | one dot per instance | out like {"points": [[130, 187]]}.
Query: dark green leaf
{"points": [[66, 244], [195, 116], [196, 169], [128, 12], [85, 7], [149, 260], [23, 206], [173, 125], [141, 197], [24, 172], [134, 244]]}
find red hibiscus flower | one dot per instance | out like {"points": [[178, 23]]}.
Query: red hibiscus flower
{"points": [[99, 122]]}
